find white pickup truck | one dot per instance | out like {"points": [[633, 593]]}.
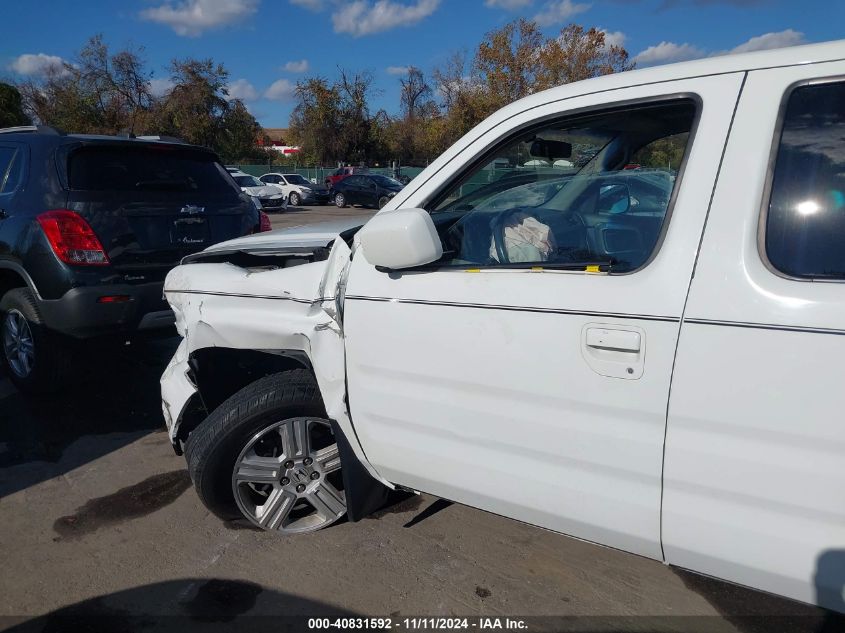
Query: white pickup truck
{"points": [[631, 331]]}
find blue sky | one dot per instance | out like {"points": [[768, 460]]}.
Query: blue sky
{"points": [[268, 45]]}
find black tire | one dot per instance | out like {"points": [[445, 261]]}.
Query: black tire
{"points": [[339, 200], [53, 353], [213, 447], [383, 201], [294, 199]]}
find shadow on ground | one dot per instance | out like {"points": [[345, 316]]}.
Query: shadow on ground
{"points": [[116, 391], [185, 605]]}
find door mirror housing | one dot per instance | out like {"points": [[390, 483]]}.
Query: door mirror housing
{"points": [[401, 239], [614, 198]]}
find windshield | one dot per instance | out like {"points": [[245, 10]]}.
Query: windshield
{"points": [[248, 181], [385, 181], [151, 168], [296, 179]]}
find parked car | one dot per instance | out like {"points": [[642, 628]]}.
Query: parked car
{"points": [[646, 362], [368, 190], [268, 198], [297, 189], [89, 226], [342, 172]]}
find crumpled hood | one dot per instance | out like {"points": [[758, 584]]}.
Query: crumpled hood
{"points": [[308, 236], [263, 192]]}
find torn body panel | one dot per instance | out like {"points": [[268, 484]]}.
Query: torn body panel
{"points": [[282, 310]]}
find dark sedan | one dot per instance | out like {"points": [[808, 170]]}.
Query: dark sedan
{"points": [[367, 190]]}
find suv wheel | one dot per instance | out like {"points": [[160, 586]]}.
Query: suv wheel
{"points": [[268, 454], [294, 200], [339, 200], [36, 360]]}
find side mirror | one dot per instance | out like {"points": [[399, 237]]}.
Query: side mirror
{"points": [[400, 239], [614, 199]]}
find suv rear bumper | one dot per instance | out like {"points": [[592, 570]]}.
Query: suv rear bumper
{"points": [[81, 314]]}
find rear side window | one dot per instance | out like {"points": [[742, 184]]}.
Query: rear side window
{"points": [[6, 156], [10, 180], [805, 224], [122, 168]]}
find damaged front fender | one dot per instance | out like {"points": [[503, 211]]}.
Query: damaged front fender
{"points": [[297, 309]]}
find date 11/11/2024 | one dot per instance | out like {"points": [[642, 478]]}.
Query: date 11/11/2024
{"points": [[417, 624]]}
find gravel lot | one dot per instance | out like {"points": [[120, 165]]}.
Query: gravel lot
{"points": [[99, 518]]}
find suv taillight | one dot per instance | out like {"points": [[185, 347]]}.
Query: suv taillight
{"points": [[72, 238], [264, 222]]}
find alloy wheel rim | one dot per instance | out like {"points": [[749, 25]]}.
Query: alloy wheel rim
{"points": [[288, 478], [294, 199], [18, 344], [339, 200]]}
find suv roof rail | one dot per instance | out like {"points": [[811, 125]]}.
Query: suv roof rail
{"points": [[37, 129], [156, 137]]}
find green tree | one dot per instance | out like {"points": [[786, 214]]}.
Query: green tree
{"points": [[11, 107], [99, 93], [194, 108], [316, 121]]}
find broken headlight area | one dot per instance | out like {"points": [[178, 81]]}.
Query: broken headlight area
{"points": [[258, 260]]}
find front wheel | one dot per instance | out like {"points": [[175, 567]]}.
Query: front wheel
{"points": [[339, 200], [268, 454], [294, 199], [383, 201]]}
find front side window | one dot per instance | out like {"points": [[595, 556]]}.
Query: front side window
{"points": [[271, 179], [805, 222], [586, 191]]}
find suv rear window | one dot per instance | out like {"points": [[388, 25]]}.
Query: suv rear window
{"points": [[138, 168], [805, 225]]}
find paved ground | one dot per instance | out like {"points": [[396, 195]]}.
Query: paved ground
{"points": [[99, 518], [297, 216]]}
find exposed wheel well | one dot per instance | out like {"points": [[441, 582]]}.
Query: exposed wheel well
{"points": [[220, 372], [10, 279]]}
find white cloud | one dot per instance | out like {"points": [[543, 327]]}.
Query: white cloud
{"points": [[243, 90], [397, 70], [558, 11], [160, 87], [38, 64], [614, 38], [280, 90], [311, 5], [667, 52], [192, 17], [300, 66], [364, 17], [507, 5], [781, 39]]}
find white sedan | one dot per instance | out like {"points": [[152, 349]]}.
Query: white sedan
{"points": [[297, 188], [271, 198]]}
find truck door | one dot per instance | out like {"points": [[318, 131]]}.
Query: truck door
{"points": [[527, 373], [754, 483]]}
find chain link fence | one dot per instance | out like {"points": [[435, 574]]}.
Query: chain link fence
{"points": [[320, 174]]}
